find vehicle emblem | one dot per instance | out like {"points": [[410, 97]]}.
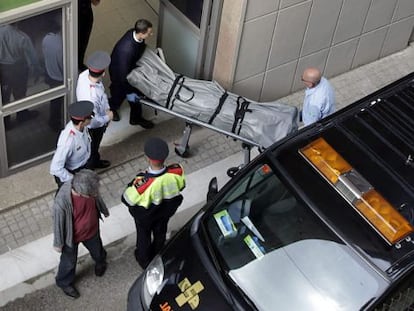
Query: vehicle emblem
{"points": [[165, 307], [189, 293]]}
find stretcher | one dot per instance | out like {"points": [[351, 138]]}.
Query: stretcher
{"points": [[182, 147], [207, 104]]}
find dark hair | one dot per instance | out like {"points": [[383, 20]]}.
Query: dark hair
{"points": [[95, 74], [75, 121], [142, 25]]}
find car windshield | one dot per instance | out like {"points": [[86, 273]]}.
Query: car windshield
{"points": [[275, 248]]}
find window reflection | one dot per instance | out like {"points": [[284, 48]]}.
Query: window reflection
{"points": [[18, 62], [26, 68], [192, 9], [32, 137]]}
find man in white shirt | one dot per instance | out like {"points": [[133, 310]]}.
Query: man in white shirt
{"points": [[319, 100], [91, 88], [74, 143]]}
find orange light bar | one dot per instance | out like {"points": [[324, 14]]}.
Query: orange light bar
{"points": [[383, 216], [372, 205], [326, 159]]}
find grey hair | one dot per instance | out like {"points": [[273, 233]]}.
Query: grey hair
{"points": [[86, 182]]}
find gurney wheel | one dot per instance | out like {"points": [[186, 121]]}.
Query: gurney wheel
{"points": [[183, 154]]}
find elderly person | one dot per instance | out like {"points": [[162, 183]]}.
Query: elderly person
{"points": [[319, 100], [76, 212]]}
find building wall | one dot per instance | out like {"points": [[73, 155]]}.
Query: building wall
{"points": [[279, 38]]}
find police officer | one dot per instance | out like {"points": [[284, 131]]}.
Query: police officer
{"points": [[91, 88], [74, 143], [152, 197]]}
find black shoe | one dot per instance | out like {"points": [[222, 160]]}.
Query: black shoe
{"points": [[71, 291], [100, 269], [146, 124], [103, 164], [116, 117]]}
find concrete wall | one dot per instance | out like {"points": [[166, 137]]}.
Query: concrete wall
{"points": [[279, 38]]}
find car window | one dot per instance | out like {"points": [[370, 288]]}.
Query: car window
{"points": [[259, 215], [275, 248]]}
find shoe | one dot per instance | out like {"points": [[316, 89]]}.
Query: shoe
{"points": [[146, 124], [27, 115], [71, 291], [116, 117], [103, 164], [100, 269]]}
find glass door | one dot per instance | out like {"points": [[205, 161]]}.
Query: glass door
{"points": [[187, 33], [35, 82]]}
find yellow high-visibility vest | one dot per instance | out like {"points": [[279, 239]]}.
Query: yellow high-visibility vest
{"points": [[147, 189]]}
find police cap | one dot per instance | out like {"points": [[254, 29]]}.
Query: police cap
{"points": [[156, 149], [98, 61], [81, 110]]}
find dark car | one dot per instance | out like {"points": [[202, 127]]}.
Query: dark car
{"points": [[322, 220]]}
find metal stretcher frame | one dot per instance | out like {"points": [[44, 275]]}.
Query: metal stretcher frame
{"points": [[182, 148]]}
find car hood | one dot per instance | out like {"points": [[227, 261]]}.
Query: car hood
{"points": [[306, 275], [309, 274]]}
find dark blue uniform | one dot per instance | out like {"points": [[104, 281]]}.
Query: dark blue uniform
{"points": [[124, 57]]}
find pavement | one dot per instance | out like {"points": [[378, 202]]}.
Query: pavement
{"points": [[26, 252]]}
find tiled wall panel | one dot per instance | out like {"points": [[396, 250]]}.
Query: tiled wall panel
{"points": [[340, 57], [396, 37], [250, 87], [321, 25], [255, 46], [288, 35], [379, 14], [288, 3], [351, 20], [369, 47], [278, 82], [404, 9], [259, 8], [282, 37]]}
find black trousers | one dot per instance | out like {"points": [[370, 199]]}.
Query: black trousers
{"points": [[152, 221], [85, 23], [69, 257], [96, 138], [13, 79], [118, 95], [56, 106]]}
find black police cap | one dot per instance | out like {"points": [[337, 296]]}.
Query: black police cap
{"points": [[81, 110], [98, 61], [156, 149]]}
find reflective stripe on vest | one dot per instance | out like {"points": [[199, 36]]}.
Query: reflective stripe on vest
{"points": [[156, 189]]}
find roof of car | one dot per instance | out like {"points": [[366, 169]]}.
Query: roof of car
{"points": [[375, 136]]}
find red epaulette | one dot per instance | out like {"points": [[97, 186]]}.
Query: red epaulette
{"points": [[72, 132], [175, 169], [141, 183]]}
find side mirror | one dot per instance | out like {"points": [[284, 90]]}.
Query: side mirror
{"points": [[212, 189]]}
